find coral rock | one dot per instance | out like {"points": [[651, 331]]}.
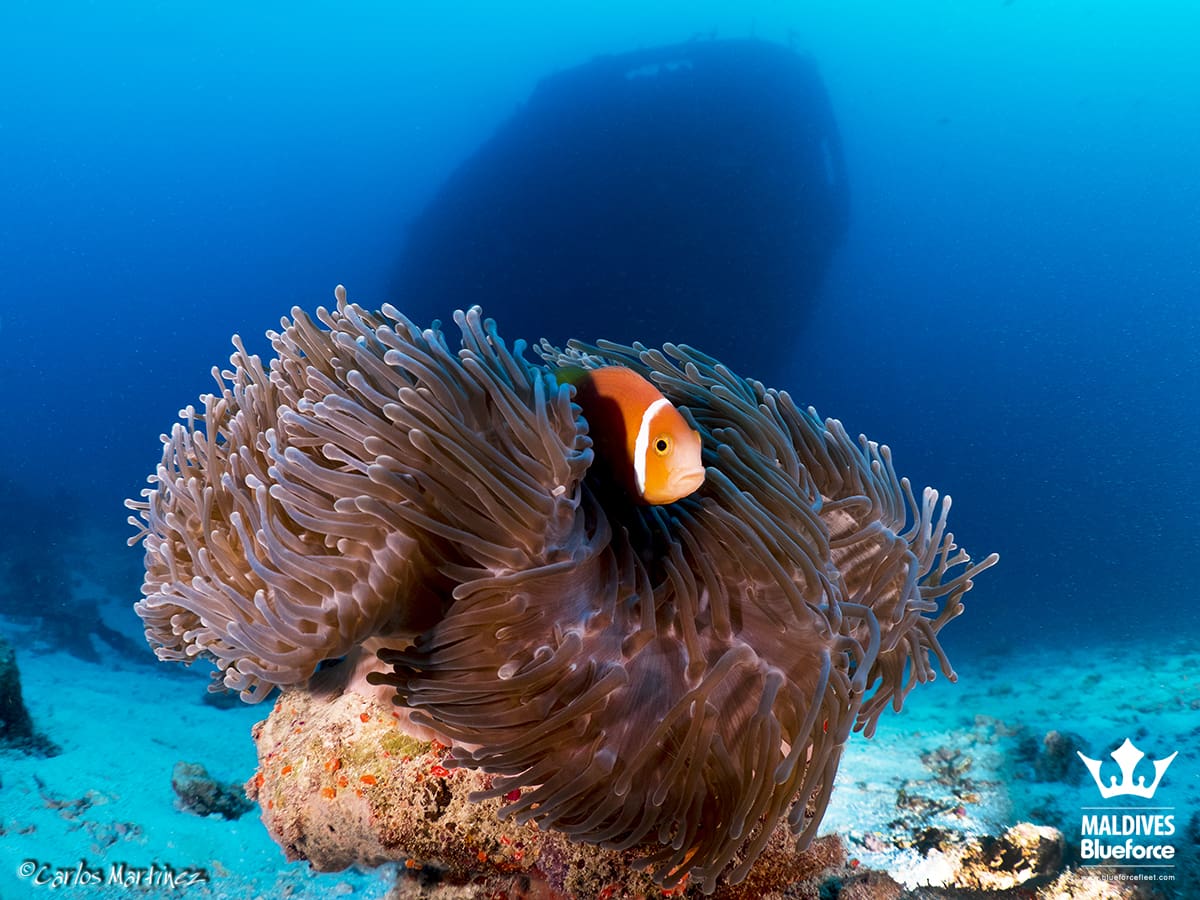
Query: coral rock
{"points": [[870, 885], [200, 793], [1023, 853], [1057, 760], [343, 781], [16, 726]]}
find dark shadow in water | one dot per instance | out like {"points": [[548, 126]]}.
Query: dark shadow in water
{"points": [[59, 574], [692, 193]]}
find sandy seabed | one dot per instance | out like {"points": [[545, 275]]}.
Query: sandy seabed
{"points": [[99, 820]]}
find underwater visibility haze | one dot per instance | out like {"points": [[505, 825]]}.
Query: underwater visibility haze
{"points": [[640, 644]]}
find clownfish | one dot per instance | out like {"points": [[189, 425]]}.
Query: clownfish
{"points": [[639, 435]]}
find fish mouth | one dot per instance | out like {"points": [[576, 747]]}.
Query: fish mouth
{"points": [[686, 482], [677, 486]]}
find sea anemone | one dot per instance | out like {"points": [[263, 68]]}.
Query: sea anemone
{"points": [[671, 679]]}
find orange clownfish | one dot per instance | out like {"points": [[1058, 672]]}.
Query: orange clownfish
{"points": [[643, 439]]}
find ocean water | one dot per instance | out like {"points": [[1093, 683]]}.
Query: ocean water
{"points": [[1014, 306]]}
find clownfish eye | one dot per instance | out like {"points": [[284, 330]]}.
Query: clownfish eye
{"points": [[662, 445]]}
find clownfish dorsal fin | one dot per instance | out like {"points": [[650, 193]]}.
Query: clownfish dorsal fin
{"points": [[573, 375]]}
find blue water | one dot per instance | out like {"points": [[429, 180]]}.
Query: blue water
{"points": [[1015, 310]]}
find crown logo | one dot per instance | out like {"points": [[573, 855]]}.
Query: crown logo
{"points": [[1127, 757]]}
